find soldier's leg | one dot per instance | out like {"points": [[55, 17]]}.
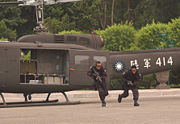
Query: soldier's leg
{"points": [[123, 95], [105, 88], [135, 95], [25, 97], [102, 96]]}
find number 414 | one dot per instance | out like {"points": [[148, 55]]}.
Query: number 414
{"points": [[164, 62]]}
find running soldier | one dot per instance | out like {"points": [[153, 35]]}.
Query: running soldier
{"points": [[130, 82], [98, 73]]}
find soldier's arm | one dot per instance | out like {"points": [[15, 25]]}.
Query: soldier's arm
{"points": [[91, 73], [104, 74], [138, 79], [136, 83], [125, 75]]}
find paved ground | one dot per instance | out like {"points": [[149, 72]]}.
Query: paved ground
{"points": [[153, 110]]}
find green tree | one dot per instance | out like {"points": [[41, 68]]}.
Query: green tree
{"points": [[53, 25], [148, 37], [11, 16], [118, 37], [159, 10], [89, 15], [83, 15], [6, 32], [174, 30], [29, 16]]}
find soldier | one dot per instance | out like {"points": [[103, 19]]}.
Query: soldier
{"points": [[131, 81], [98, 73]]}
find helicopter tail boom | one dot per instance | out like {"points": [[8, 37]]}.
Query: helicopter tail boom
{"points": [[147, 61]]}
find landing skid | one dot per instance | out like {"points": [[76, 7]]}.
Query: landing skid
{"points": [[36, 103], [47, 102]]}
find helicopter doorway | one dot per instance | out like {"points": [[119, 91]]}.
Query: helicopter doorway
{"points": [[44, 67]]}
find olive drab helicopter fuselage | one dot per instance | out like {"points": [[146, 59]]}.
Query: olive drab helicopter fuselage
{"points": [[60, 62]]}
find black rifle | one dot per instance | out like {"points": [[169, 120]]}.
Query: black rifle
{"points": [[97, 75], [100, 80]]}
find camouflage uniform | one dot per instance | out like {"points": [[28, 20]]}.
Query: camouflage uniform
{"points": [[100, 86], [134, 78]]}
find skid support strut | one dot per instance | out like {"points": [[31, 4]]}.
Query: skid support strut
{"points": [[4, 102], [67, 100], [47, 99]]}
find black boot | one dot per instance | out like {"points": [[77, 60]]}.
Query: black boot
{"points": [[119, 98], [103, 104], [136, 103]]}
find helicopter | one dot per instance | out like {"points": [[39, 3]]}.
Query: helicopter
{"points": [[59, 63]]}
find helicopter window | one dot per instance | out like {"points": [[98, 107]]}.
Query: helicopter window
{"points": [[102, 59], [57, 67], [59, 38], [28, 63], [72, 38], [81, 59], [28, 55], [33, 54], [84, 40]]}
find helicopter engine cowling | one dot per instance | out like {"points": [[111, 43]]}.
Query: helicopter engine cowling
{"points": [[88, 40]]}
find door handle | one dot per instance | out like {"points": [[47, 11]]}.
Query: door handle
{"points": [[72, 69]]}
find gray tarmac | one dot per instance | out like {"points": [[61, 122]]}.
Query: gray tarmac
{"points": [[160, 109]]}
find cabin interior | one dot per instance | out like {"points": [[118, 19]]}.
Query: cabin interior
{"points": [[44, 66]]}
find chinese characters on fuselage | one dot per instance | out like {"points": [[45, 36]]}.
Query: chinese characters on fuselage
{"points": [[160, 61]]}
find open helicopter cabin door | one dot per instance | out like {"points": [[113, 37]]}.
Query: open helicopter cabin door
{"points": [[44, 67], [80, 63]]}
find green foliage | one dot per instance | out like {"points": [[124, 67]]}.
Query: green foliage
{"points": [[73, 16], [53, 25], [27, 14], [3, 39], [149, 37], [174, 85], [89, 15], [116, 84], [174, 30], [174, 77], [118, 37], [11, 16], [6, 32], [26, 57], [71, 32], [148, 82]]}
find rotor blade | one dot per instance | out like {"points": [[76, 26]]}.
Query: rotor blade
{"points": [[35, 2], [11, 3], [65, 1], [49, 2], [30, 2]]}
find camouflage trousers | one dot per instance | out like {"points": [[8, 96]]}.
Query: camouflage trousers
{"points": [[102, 89], [126, 91]]}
